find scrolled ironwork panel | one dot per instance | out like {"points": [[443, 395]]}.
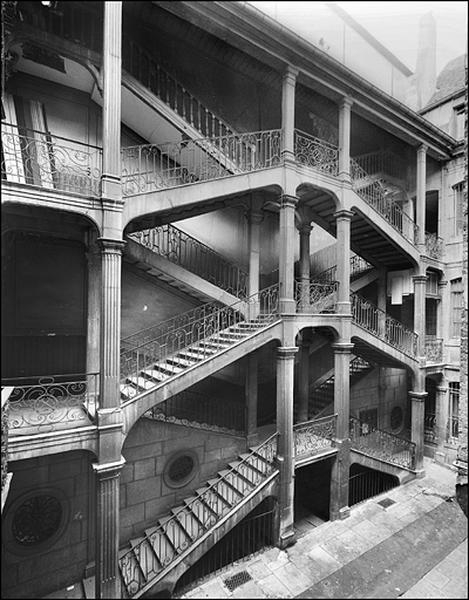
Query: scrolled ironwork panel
{"points": [[316, 153], [314, 436]]}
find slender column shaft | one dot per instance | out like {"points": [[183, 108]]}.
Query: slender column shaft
{"points": [[251, 394], [255, 218], [345, 115], [287, 254], [305, 270], [420, 195], [441, 418], [112, 42], [288, 113], [417, 425], [111, 253], [420, 283], [343, 220], [285, 444], [303, 382], [382, 298], [94, 309], [107, 582]]}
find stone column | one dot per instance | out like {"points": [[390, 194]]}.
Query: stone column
{"points": [[382, 300], [420, 195], [345, 115], [343, 220], [93, 322], [250, 391], [420, 289], [285, 444], [287, 240], [255, 217], [112, 42], [417, 425], [303, 380], [339, 508], [305, 267], [107, 582], [288, 113], [441, 420], [111, 253], [443, 322]]}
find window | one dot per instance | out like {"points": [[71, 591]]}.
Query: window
{"points": [[456, 307], [432, 284], [458, 122], [458, 204], [430, 316], [180, 469], [453, 419]]}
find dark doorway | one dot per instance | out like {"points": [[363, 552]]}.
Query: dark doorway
{"points": [[365, 483], [312, 495]]}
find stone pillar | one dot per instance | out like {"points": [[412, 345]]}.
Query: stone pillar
{"points": [[339, 508], [287, 240], [343, 220], [420, 290], [420, 195], [255, 217], [112, 43], [288, 113], [417, 425], [345, 115], [250, 391], [286, 443], [303, 380], [444, 314], [382, 300], [305, 267], [107, 582], [111, 253], [441, 420], [93, 321]]}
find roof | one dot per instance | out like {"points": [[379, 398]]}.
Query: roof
{"points": [[451, 80]]}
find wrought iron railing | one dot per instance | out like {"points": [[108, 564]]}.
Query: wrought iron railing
{"points": [[434, 349], [317, 296], [50, 161], [316, 153], [263, 306], [188, 252], [381, 444], [53, 400], [374, 194], [199, 515], [314, 436], [151, 167], [429, 432], [433, 245], [383, 161], [192, 407], [358, 265], [379, 323]]}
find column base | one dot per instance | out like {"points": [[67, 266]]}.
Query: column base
{"points": [[286, 539], [287, 306], [420, 473], [440, 457], [341, 514], [343, 308]]}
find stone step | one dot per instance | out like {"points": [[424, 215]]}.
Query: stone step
{"points": [[175, 533], [161, 545], [131, 571], [224, 490], [189, 521], [238, 483], [214, 501], [247, 471], [201, 510], [141, 382], [165, 366], [154, 374], [184, 362], [146, 557]]}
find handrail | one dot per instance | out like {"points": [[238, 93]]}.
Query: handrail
{"points": [[209, 507], [383, 161], [316, 153], [357, 265], [379, 323], [382, 444], [34, 157], [195, 256]]}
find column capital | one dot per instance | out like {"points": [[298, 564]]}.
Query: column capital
{"points": [[346, 102], [422, 149], [291, 72], [109, 470], [286, 352], [442, 389], [418, 396], [419, 278], [305, 229], [288, 201], [343, 214], [111, 245], [254, 216], [342, 347], [443, 283]]}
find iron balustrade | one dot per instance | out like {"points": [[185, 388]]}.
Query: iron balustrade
{"points": [[358, 265], [383, 161], [197, 517], [164, 348], [150, 167], [184, 250], [50, 161], [429, 421], [369, 483], [316, 153], [381, 444], [192, 407], [379, 323], [52, 400], [434, 349], [316, 296], [312, 437], [433, 245], [374, 194], [148, 334]]}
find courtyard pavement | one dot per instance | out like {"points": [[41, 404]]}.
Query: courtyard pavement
{"points": [[415, 547]]}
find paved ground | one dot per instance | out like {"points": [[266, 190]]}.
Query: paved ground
{"points": [[414, 548]]}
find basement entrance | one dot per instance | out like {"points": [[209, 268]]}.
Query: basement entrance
{"points": [[252, 534], [312, 495], [365, 483]]}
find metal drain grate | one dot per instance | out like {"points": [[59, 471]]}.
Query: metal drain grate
{"points": [[386, 502], [236, 580]]}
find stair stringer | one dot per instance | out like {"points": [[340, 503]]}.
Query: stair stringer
{"points": [[384, 348], [168, 577], [378, 464], [134, 408], [363, 280], [157, 265]]}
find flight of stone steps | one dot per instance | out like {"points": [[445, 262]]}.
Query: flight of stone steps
{"points": [[147, 556], [175, 363]]}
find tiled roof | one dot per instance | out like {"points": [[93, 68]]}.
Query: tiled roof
{"points": [[450, 80]]}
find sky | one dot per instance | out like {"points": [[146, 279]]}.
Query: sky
{"points": [[396, 24]]}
